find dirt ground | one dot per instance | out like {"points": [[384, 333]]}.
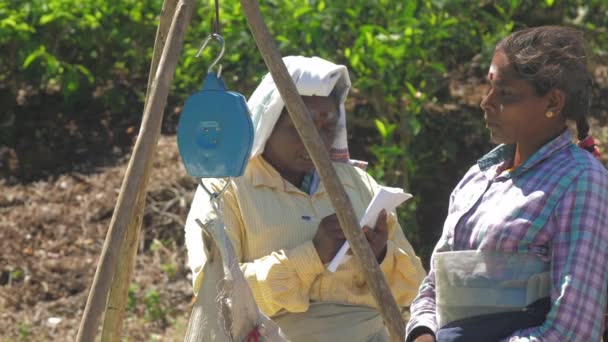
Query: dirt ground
{"points": [[51, 235]]}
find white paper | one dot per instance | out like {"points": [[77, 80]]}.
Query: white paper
{"points": [[386, 198]]}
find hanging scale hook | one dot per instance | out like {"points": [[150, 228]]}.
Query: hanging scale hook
{"points": [[217, 59]]}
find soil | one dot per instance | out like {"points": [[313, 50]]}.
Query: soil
{"points": [[51, 235]]}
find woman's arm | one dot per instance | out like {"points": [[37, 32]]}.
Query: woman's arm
{"points": [[423, 311], [579, 264]]}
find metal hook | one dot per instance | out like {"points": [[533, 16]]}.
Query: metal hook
{"points": [[217, 59], [214, 195]]}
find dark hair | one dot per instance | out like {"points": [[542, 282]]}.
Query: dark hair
{"points": [[554, 57]]}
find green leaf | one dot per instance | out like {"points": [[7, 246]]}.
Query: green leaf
{"points": [[91, 21], [411, 88], [415, 126], [53, 66], [70, 82], [33, 56], [354, 60], [381, 128], [301, 11], [321, 6], [390, 129], [410, 9], [13, 22], [84, 71], [47, 18], [438, 67]]}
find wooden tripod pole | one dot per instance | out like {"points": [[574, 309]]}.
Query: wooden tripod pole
{"points": [[114, 314], [314, 145], [134, 183]]}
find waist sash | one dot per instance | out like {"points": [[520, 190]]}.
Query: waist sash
{"points": [[474, 283]]}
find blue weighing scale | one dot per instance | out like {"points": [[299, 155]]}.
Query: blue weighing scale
{"points": [[215, 131]]}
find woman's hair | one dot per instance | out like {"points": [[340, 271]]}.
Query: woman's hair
{"points": [[554, 57]]}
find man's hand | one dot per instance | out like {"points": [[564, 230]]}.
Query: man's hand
{"points": [[329, 238], [378, 236]]}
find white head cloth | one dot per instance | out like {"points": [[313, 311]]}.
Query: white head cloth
{"points": [[312, 76]]}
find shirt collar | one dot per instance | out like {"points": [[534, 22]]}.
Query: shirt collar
{"points": [[503, 153], [260, 173]]}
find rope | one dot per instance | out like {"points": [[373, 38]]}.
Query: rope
{"points": [[216, 23]]}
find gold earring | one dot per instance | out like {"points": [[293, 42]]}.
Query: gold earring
{"points": [[549, 114]]}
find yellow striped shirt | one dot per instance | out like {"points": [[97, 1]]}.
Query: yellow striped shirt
{"points": [[271, 225]]}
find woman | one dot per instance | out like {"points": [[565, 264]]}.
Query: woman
{"points": [[284, 229], [529, 221]]}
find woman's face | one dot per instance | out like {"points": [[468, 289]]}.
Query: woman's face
{"points": [[284, 149], [513, 112]]}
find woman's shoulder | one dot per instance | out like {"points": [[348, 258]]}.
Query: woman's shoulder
{"points": [[580, 161], [471, 175], [576, 171]]}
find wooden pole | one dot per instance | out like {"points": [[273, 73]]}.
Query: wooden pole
{"points": [[114, 314], [314, 145], [133, 186]]}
